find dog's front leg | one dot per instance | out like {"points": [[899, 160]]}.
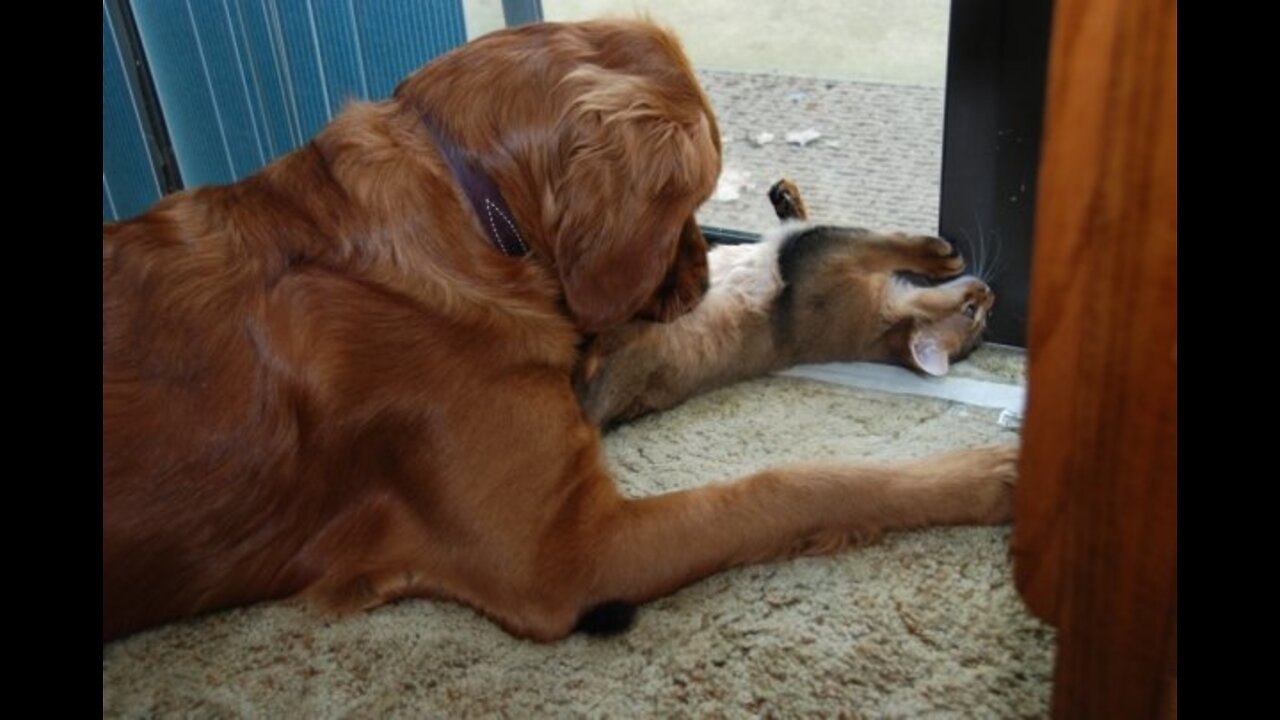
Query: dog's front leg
{"points": [[652, 546]]}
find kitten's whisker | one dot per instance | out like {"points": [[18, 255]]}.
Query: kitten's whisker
{"points": [[964, 247], [982, 245], [995, 261]]}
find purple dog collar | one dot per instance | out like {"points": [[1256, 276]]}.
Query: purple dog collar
{"points": [[486, 199]]}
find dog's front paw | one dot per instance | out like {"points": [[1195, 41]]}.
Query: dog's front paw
{"points": [[995, 476], [980, 482]]}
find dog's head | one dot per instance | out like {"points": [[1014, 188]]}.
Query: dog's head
{"points": [[640, 153], [604, 145]]}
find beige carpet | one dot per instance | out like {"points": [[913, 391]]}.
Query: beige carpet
{"points": [[924, 624]]}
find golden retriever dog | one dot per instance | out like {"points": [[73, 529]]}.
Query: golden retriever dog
{"points": [[348, 378]]}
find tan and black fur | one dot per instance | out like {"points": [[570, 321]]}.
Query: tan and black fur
{"points": [[323, 382], [804, 294]]}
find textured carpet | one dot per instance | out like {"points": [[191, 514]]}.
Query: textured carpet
{"points": [[921, 624]]}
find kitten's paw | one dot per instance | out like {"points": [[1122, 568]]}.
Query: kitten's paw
{"points": [[937, 257], [925, 255], [786, 200], [938, 246]]}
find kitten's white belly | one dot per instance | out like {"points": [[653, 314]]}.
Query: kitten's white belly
{"points": [[747, 276], [744, 283]]}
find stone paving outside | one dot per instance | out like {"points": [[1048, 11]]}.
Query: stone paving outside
{"points": [[876, 164]]}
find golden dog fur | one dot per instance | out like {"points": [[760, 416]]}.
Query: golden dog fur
{"points": [[323, 381]]}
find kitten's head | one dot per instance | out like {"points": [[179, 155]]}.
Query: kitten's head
{"points": [[851, 294]]}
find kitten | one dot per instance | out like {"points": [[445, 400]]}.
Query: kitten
{"points": [[804, 294]]}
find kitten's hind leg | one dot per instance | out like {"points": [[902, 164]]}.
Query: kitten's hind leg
{"points": [[931, 257], [787, 202]]}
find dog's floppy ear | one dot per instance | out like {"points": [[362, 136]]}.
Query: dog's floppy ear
{"points": [[638, 155]]}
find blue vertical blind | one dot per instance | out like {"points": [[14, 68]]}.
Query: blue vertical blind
{"points": [[129, 182], [242, 81]]}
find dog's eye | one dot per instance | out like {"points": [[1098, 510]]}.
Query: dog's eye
{"points": [[970, 309]]}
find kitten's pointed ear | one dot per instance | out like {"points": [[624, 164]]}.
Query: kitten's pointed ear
{"points": [[927, 354]]}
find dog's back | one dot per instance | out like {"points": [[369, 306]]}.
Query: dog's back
{"points": [[192, 412], [282, 360]]}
